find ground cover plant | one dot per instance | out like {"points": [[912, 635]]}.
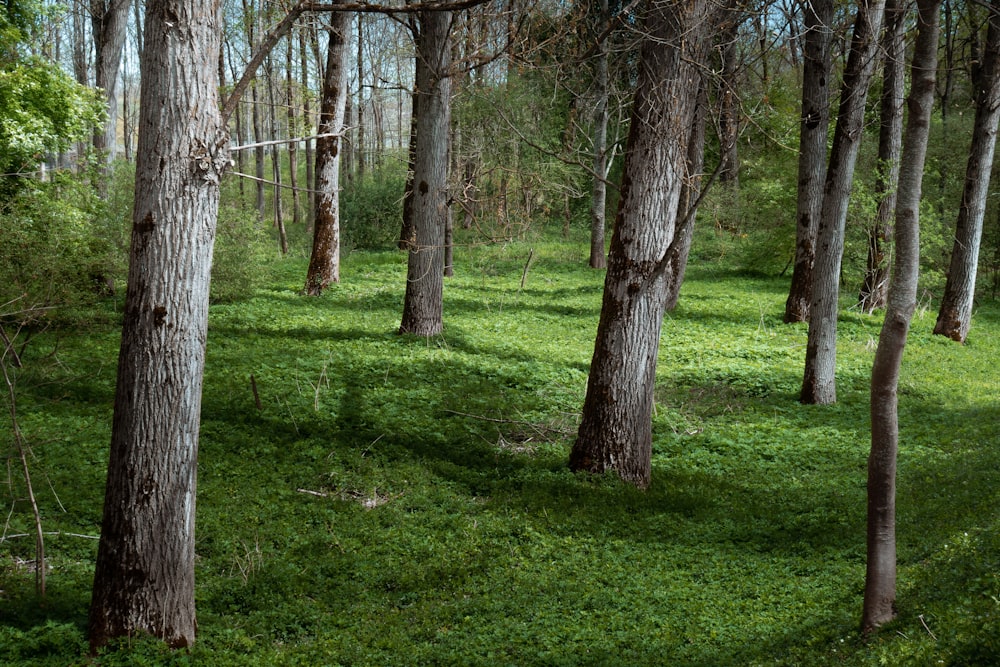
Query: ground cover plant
{"points": [[393, 500]]}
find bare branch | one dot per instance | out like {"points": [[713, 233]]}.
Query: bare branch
{"points": [[283, 27]]}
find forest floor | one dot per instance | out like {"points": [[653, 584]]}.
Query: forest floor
{"points": [[401, 501]]}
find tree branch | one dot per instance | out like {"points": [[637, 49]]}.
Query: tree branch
{"points": [[284, 26]]}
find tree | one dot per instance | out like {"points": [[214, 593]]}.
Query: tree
{"points": [[324, 263], [616, 429], [874, 289], [728, 119], [422, 305], [880, 572], [109, 21], [814, 123], [144, 577], [600, 190], [819, 379], [955, 314], [691, 193], [42, 109]]}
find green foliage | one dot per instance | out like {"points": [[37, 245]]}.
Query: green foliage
{"points": [[371, 210], [62, 245], [42, 109], [241, 256], [406, 501]]}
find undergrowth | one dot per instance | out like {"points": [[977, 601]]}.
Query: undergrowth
{"points": [[399, 501]]}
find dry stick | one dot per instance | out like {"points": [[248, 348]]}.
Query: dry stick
{"points": [[22, 452], [527, 265], [256, 396]]}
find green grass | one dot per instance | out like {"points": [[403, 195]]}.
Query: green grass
{"points": [[404, 501]]}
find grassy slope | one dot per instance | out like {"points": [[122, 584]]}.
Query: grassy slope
{"points": [[443, 526]]}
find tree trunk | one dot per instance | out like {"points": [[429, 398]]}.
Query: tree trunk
{"points": [[324, 263], [599, 197], [422, 306], [729, 103], [687, 209], [144, 576], [875, 288], [616, 431], [359, 148], [406, 231], [880, 574], [307, 123], [293, 132], [109, 22], [814, 124], [819, 380], [279, 217], [955, 314], [250, 14]]}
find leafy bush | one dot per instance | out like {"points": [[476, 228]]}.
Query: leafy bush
{"points": [[243, 251], [62, 245], [371, 210]]}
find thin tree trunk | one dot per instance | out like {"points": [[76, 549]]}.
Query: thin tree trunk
{"points": [[81, 66], [687, 209], [819, 380], [126, 110], [875, 288], [293, 132], [324, 263], [814, 124], [241, 133], [360, 146], [258, 131], [406, 231], [880, 574], [729, 104], [422, 306], [599, 196], [308, 123], [109, 25], [144, 576], [955, 314], [279, 218], [615, 433]]}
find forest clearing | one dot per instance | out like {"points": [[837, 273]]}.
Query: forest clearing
{"points": [[499, 332], [397, 500]]}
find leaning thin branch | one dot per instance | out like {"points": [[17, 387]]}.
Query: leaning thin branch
{"points": [[274, 183], [552, 154], [294, 140], [663, 264], [22, 451], [9, 347], [56, 533]]}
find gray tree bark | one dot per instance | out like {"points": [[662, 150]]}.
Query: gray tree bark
{"points": [[324, 263], [955, 314], [144, 577], [599, 196], [423, 302], [616, 431], [728, 124], [291, 115], [687, 210], [814, 124], [875, 287], [819, 380], [880, 574], [109, 21]]}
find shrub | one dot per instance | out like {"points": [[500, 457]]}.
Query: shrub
{"points": [[242, 253], [371, 210]]}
